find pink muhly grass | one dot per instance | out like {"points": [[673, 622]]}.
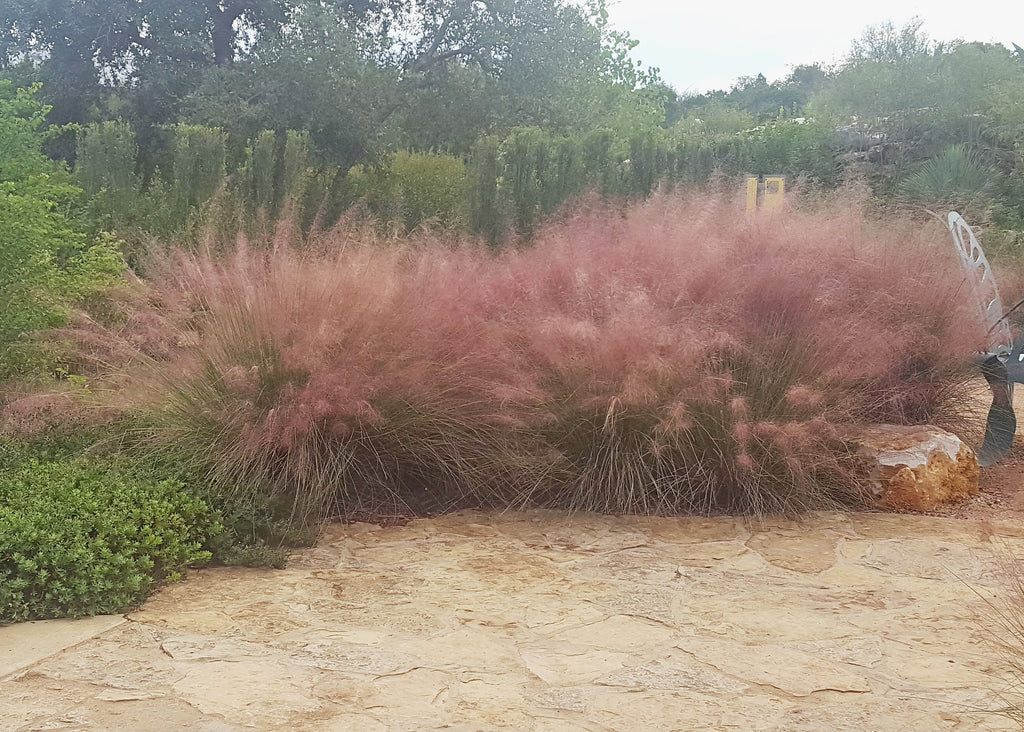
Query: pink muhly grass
{"points": [[352, 381], [698, 360], [675, 357]]}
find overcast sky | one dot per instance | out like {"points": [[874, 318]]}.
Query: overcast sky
{"points": [[708, 44]]}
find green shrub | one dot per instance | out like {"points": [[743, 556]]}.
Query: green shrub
{"points": [[598, 154], [433, 188], [188, 177], [565, 175], [256, 530], [199, 163], [78, 539], [517, 182], [412, 189], [295, 175], [258, 174], [106, 154], [648, 159], [794, 148], [33, 233], [525, 154], [487, 216], [46, 261]]}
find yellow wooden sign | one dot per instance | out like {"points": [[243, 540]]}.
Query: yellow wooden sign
{"points": [[774, 192], [751, 193], [765, 194]]}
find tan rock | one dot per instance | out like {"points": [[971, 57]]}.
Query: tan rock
{"points": [[798, 553], [675, 673], [918, 468], [619, 633], [563, 664]]}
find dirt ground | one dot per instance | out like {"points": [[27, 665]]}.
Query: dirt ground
{"points": [[1001, 495]]}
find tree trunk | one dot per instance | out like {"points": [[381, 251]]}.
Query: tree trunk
{"points": [[223, 36]]}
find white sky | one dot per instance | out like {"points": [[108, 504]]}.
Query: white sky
{"points": [[706, 44]]}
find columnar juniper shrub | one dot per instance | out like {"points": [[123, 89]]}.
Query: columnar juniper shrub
{"points": [[105, 167], [257, 175], [676, 357]]}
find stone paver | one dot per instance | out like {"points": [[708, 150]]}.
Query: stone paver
{"points": [[26, 644], [538, 621]]}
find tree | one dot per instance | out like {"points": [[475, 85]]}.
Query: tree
{"points": [[314, 75], [113, 37], [884, 43], [888, 72], [753, 95], [526, 63], [435, 76], [348, 66], [84, 49], [45, 261], [803, 82]]}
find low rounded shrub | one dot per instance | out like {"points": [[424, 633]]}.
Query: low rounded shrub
{"points": [[79, 539]]}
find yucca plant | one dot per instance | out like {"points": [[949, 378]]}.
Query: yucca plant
{"points": [[955, 176]]}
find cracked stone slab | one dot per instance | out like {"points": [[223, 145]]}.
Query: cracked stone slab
{"points": [[808, 554], [675, 674], [787, 669], [570, 699], [266, 692], [619, 633], [931, 560], [326, 655], [350, 657], [866, 652], [564, 664]]}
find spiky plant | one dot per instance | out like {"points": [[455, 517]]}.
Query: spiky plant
{"points": [[956, 176]]}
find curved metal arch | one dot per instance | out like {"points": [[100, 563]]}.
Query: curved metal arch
{"points": [[983, 283]]}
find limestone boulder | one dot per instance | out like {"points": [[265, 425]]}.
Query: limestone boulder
{"points": [[917, 468]]}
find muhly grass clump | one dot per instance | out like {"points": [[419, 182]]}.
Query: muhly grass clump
{"points": [[1000, 623], [691, 359], [356, 381], [675, 357]]}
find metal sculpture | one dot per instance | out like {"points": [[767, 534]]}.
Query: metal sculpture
{"points": [[1002, 363]]}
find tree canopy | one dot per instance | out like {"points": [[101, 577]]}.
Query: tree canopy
{"points": [[356, 71]]}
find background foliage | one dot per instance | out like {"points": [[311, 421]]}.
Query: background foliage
{"points": [[187, 113], [46, 260]]}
